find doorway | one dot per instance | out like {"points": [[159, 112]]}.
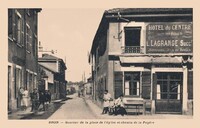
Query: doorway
{"points": [[168, 91]]}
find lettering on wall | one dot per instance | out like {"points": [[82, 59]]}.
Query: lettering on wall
{"points": [[176, 37]]}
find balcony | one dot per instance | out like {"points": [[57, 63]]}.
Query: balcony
{"points": [[133, 49]]}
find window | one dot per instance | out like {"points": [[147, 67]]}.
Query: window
{"points": [[28, 38], [31, 82], [10, 23], [34, 81], [132, 84], [19, 30], [28, 12], [34, 46], [27, 81], [18, 80], [132, 39], [169, 85]]}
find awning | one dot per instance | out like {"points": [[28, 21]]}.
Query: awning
{"points": [[150, 59]]}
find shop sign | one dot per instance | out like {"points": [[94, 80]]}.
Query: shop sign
{"points": [[174, 37]]}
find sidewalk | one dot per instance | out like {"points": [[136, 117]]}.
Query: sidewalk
{"points": [[20, 114], [97, 111]]}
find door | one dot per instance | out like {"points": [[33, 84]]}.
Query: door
{"points": [[9, 87], [169, 92]]}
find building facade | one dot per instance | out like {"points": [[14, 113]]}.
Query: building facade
{"points": [[53, 76], [22, 53], [145, 54]]}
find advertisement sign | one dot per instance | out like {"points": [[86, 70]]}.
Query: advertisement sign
{"points": [[175, 37]]}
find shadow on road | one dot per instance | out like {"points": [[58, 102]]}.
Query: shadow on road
{"points": [[53, 107], [68, 98]]}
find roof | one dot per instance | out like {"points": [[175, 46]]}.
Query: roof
{"points": [[140, 15], [149, 10], [47, 57], [53, 70]]}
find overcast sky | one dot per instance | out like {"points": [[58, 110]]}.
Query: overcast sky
{"points": [[70, 32]]}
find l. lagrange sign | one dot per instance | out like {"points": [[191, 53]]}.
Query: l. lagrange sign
{"points": [[175, 37]]}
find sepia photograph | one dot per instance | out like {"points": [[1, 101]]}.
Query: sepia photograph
{"points": [[106, 63]]}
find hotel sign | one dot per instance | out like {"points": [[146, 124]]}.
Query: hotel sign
{"points": [[176, 37]]}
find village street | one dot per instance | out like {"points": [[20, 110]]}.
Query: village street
{"points": [[73, 108]]}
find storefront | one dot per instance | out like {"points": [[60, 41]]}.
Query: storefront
{"points": [[148, 57]]}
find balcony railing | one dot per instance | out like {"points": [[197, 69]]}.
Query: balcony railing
{"points": [[132, 49]]}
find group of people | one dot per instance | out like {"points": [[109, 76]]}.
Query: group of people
{"points": [[113, 107], [42, 98], [37, 99]]}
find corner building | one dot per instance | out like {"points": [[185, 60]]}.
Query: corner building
{"points": [[145, 54]]}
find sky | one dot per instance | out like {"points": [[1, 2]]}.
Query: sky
{"points": [[70, 32]]}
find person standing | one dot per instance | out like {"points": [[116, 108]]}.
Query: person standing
{"points": [[21, 93], [25, 98], [42, 99], [34, 100], [47, 98], [106, 99], [21, 96]]}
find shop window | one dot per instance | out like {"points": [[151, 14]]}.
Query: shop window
{"points": [[132, 84], [132, 39]]}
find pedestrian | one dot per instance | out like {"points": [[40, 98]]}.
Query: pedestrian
{"points": [[25, 98], [21, 93], [34, 100], [119, 106], [47, 98], [42, 100], [106, 99]]}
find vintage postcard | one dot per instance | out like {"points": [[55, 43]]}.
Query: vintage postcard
{"points": [[99, 66]]}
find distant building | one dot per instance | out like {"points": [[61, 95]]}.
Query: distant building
{"points": [[22, 53], [145, 54], [52, 70], [88, 86]]}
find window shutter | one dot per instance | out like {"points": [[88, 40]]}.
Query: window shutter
{"points": [[146, 85], [190, 84], [118, 76], [154, 86]]}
